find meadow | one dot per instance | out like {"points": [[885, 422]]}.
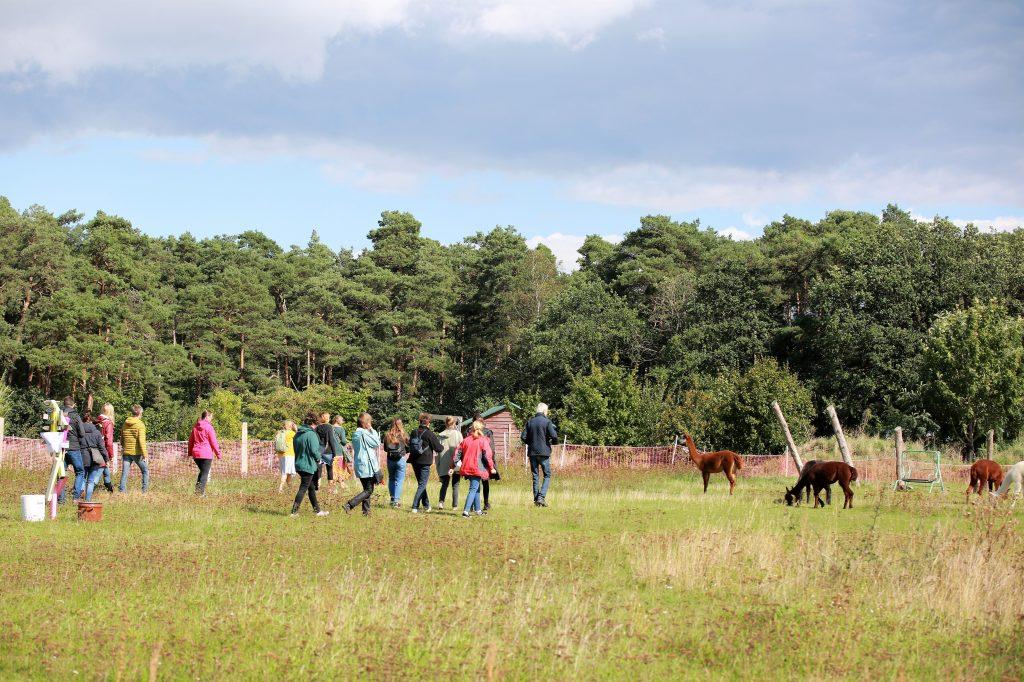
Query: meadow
{"points": [[628, 575]]}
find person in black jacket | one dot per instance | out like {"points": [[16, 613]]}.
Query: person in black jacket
{"points": [[94, 454], [73, 455], [329, 449], [423, 445], [539, 435]]}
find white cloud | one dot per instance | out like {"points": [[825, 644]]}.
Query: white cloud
{"points": [[653, 35], [65, 38], [737, 234], [566, 247], [1003, 223], [654, 187]]}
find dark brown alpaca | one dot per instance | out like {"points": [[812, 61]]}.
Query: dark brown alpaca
{"points": [[984, 471], [822, 475], [828, 488], [721, 462]]}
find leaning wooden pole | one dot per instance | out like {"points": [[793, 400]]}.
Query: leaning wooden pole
{"points": [[899, 454], [790, 445], [844, 449]]}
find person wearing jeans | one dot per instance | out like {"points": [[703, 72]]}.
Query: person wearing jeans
{"points": [[133, 448], [475, 461], [396, 446], [423, 445], [73, 456], [365, 462], [202, 448], [308, 456], [94, 455], [539, 435]]}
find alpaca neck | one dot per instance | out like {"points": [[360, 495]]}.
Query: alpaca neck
{"points": [[694, 455]]}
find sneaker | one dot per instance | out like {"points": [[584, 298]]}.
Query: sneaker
{"points": [[440, 506], [428, 509], [415, 510], [465, 514], [323, 513], [109, 487], [294, 514], [487, 506], [541, 502], [480, 513], [348, 509]]}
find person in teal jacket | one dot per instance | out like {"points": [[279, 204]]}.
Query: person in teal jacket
{"points": [[307, 462], [365, 442]]}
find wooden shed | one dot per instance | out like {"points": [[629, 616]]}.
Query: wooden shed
{"points": [[499, 419]]}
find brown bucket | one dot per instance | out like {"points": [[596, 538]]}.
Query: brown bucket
{"points": [[90, 511]]}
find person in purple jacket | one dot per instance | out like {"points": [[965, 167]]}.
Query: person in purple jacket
{"points": [[202, 448]]}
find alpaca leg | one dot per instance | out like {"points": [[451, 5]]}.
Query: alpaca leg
{"points": [[706, 476], [732, 480], [847, 495], [828, 495], [817, 500]]}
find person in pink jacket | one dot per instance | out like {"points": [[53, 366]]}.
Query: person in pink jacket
{"points": [[474, 462], [202, 448]]}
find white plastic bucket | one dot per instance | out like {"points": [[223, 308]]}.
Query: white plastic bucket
{"points": [[33, 507]]}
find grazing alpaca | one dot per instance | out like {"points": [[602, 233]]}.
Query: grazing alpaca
{"points": [[822, 475], [723, 461], [828, 488], [1014, 480], [984, 471]]}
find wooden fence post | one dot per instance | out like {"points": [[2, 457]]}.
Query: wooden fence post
{"points": [[899, 452], [565, 439], [675, 444], [790, 445], [2, 423], [990, 445], [844, 449], [245, 448]]}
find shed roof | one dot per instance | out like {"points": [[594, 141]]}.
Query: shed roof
{"points": [[490, 412]]}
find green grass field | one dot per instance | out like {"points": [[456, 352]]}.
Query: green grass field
{"points": [[627, 575]]}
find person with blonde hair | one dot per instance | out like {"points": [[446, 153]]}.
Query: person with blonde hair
{"points": [[365, 462], [475, 462], [284, 445], [105, 423], [450, 439], [396, 447]]}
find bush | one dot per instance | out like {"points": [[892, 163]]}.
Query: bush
{"points": [[267, 411]]}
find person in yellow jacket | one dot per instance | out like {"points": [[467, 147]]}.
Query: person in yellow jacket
{"points": [[284, 444], [133, 448]]}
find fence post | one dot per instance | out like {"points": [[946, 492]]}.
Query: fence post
{"points": [[564, 441], [114, 462], [844, 449], [2, 441], [899, 453], [675, 444], [790, 445], [245, 448], [990, 445]]}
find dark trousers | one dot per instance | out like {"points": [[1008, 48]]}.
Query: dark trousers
{"points": [[363, 498], [454, 480], [421, 499], [329, 466], [306, 483], [204, 474], [487, 492]]}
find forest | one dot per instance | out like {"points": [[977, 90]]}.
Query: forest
{"points": [[894, 320]]}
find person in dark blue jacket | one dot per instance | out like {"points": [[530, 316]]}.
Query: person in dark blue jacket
{"points": [[539, 435]]}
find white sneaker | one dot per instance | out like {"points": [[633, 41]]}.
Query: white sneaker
{"points": [[294, 514], [466, 514], [415, 510], [440, 506], [322, 513]]}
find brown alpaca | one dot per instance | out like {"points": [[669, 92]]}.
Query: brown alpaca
{"points": [[821, 476], [721, 462], [984, 471]]}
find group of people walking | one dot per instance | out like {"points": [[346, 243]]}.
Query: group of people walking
{"points": [[310, 451]]}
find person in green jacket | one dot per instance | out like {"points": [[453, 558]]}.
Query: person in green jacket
{"points": [[307, 462], [133, 448]]}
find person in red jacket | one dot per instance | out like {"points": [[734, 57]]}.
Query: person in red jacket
{"points": [[475, 463], [202, 448], [105, 423]]}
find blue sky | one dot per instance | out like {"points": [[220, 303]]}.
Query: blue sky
{"points": [[563, 119]]}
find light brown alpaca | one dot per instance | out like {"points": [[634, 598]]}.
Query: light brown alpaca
{"points": [[723, 461]]}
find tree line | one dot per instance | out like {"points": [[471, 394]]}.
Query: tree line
{"points": [[896, 321]]}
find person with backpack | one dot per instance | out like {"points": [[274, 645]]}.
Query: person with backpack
{"points": [[423, 445], [73, 454], [202, 448], [485, 484], [329, 449], [105, 423], [396, 447], [450, 439], [365, 462], [475, 462], [133, 448], [308, 458], [539, 435], [94, 454], [284, 446], [341, 435]]}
